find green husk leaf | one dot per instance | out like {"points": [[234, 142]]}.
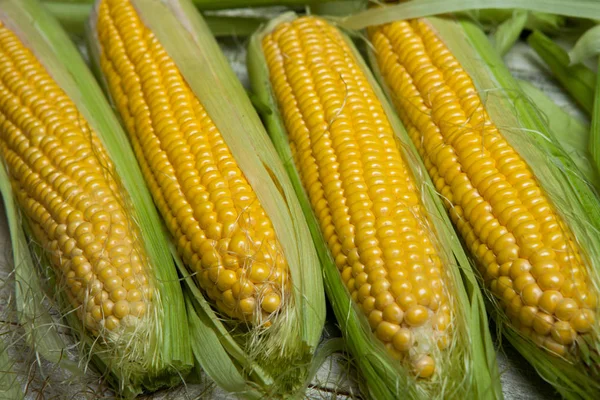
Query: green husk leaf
{"points": [[587, 46], [474, 372], [594, 140], [525, 128], [491, 18], [73, 16], [422, 8], [572, 134], [10, 387], [40, 331], [276, 361], [338, 7], [222, 4], [160, 353], [509, 31], [578, 80]]}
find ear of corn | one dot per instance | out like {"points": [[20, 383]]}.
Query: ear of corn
{"points": [[80, 199], [524, 210], [224, 195], [392, 274]]}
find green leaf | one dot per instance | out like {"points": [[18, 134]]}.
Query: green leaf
{"points": [[73, 16], [509, 31], [578, 80], [572, 134], [587, 46], [424, 8], [594, 141], [222, 4]]}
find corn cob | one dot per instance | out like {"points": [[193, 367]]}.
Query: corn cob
{"points": [[523, 208], [360, 189], [525, 251], [220, 188], [370, 215], [75, 209], [220, 227], [75, 199]]}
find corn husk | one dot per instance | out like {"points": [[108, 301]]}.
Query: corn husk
{"points": [[10, 387], [72, 17], [572, 133], [149, 357], [578, 80], [205, 5], [471, 369], [259, 363], [524, 126]]}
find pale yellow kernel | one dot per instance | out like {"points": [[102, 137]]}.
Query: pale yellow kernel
{"points": [[542, 323], [247, 306], [393, 313], [375, 318], [563, 333], [549, 301], [416, 315], [111, 323], [531, 294], [121, 309], [97, 313], [424, 367], [565, 309], [134, 295], [137, 309], [386, 330], [403, 339], [583, 320], [271, 302]]}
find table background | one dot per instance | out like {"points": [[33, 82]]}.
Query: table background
{"points": [[336, 379]]}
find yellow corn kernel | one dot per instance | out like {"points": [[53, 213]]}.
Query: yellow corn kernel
{"points": [[360, 187], [63, 182], [525, 252], [221, 230]]}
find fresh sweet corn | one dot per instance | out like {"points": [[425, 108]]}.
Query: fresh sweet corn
{"points": [[391, 263], [76, 210], [231, 210], [68, 182], [525, 251], [359, 186], [220, 227]]}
